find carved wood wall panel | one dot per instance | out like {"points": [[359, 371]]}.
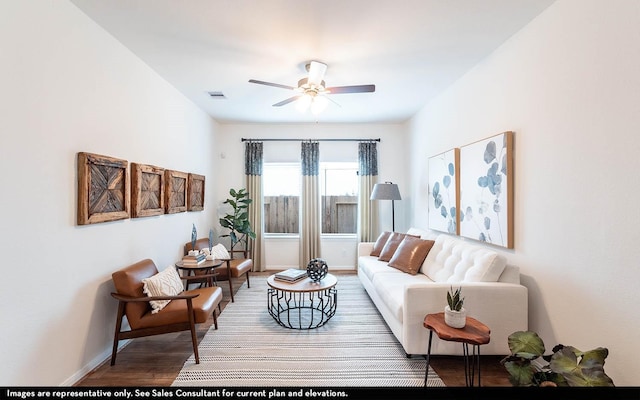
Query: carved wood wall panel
{"points": [[147, 187], [103, 189]]}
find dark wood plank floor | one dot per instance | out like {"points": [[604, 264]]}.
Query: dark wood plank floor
{"points": [[157, 360]]}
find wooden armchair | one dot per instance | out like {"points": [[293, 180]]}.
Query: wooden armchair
{"points": [[239, 264], [181, 314]]}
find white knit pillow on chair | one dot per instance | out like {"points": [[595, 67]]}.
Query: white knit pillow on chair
{"points": [[220, 252], [164, 283]]}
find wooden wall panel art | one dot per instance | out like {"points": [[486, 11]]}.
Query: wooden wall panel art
{"points": [[147, 190], [175, 191], [195, 193], [103, 189]]}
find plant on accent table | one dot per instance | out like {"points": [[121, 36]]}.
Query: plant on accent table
{"points": [[238, 222], [455, 299], [455, 314], [567, 366]]}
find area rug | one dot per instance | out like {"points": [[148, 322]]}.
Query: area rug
{"points": [[354, 349]]}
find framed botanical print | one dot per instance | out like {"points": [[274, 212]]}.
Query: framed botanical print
{"points": [[444, 185], [486, 190]]}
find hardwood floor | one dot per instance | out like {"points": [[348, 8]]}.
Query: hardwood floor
{"points": [[157, 360]]}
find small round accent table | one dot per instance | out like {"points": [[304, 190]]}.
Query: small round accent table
{"points": [[474, 333], [303, 304]]}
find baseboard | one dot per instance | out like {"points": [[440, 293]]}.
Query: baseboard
{"points": [[97, 361]]}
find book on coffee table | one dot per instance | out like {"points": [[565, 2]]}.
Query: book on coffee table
{"points": [[291, 275]]}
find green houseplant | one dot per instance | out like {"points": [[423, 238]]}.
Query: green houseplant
{"points": [[238, 221], [566, 366], [455, 314]]}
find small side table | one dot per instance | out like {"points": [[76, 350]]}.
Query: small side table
{"points": [[474, 333], [205, 268]]}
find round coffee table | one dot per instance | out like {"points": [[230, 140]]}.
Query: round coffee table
{"points": [[303, 304]]}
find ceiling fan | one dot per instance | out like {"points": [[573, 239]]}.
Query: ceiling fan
{"points": [[312, 91]]}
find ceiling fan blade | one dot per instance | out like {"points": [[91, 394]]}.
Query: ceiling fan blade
{"points": [[352, 89], [287, 101], [272, 84], [316, 72]]}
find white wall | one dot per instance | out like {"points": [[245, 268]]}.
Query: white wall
{"points": [[68, 86], [568, 84], [283, 253]]}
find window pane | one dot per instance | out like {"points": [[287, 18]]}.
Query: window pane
{"points": [[281, 185], [339, 190]]}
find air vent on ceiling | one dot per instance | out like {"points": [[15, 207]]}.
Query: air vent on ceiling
{"points": [[217, 95]]}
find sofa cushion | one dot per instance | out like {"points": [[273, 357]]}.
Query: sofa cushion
{"points": [[410, 254], [165, 283], [452, 260], [379, 244], [390, 247], [370, 266], [391, 287]]}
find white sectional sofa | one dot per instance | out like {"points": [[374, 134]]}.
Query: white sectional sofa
{"points": [[491, 288]]}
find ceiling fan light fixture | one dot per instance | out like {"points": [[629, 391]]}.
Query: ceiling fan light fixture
{"points": [[303, 102], [318, 104]]}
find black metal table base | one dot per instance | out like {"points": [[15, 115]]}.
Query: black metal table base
{"points": [[471, 363], [302, 310]]}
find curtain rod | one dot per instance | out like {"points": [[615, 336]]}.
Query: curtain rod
{"points": [[313, 140]]}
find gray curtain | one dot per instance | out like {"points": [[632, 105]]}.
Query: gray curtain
{"points": [[253, 171], [310, 225], [367, 178]]}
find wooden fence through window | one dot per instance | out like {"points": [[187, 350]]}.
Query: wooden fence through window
{"points": [[339, 214]]}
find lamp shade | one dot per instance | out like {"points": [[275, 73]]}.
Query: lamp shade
{"points": [[385, 191]]}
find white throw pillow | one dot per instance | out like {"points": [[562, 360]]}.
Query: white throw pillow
{"points": [[220, 252], [164, 283]]}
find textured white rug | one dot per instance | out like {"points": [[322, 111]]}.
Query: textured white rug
{"points": [[354, 349]]}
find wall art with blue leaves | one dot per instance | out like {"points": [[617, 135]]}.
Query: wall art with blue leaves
{"points": [[486, 190], [443, 192]]}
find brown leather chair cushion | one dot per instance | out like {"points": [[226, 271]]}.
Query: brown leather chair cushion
{"points": [[128, 282], [203, 307], [238, 267]]}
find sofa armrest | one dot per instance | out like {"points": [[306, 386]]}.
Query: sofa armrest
{"points": [[503, 307], [365, 248]]}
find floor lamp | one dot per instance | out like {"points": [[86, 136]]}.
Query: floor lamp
{"points": [[387, 191]]}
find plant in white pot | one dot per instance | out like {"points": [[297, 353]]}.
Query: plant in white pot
{"points": [[455, 314]]}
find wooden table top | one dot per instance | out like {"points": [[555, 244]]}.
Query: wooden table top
{"points": [[474, 332], [204, 265], [304, 285]]}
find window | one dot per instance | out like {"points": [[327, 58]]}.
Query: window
{"points": [[339, 191], [281, 186], [338, 188]]}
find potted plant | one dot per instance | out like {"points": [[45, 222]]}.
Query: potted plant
{"points": [[238, 221], [566, 366], [455, 314]]}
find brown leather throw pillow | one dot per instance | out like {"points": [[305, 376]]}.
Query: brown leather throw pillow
{"points": [[390, 247], [410, 254], [379, 244]]}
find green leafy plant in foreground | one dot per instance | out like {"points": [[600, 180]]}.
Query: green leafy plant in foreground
{"points": [[566, 366], [238, 222]]}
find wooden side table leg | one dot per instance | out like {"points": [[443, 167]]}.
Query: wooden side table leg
{"points": [[426, 371]]}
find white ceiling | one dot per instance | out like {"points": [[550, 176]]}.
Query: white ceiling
{"points": [[410, 49]]}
